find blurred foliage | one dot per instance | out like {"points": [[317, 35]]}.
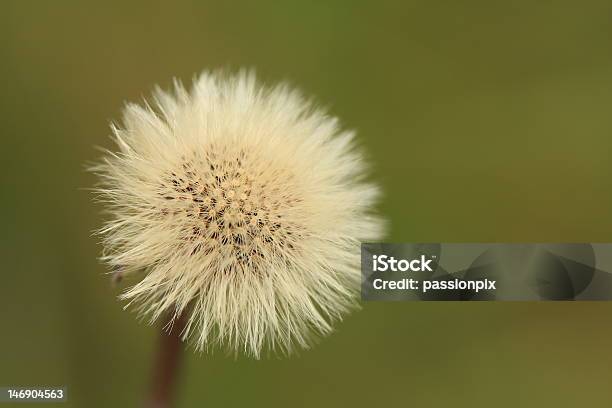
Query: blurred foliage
{"points": [[484, 121]]}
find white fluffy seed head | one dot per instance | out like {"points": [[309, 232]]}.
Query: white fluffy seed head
{"points": [[242, 207]]}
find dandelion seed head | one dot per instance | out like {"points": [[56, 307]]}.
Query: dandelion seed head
{"points": [[240, 205]]}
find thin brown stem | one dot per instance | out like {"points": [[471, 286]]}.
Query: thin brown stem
{"points": [[166, 366]]}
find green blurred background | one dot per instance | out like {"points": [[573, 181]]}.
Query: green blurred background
{"points": [[485, 121]]}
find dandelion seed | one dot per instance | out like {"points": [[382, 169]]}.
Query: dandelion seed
{"points": [[241, 206]]}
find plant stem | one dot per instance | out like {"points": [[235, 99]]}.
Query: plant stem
{"points": [[166, 365]]}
